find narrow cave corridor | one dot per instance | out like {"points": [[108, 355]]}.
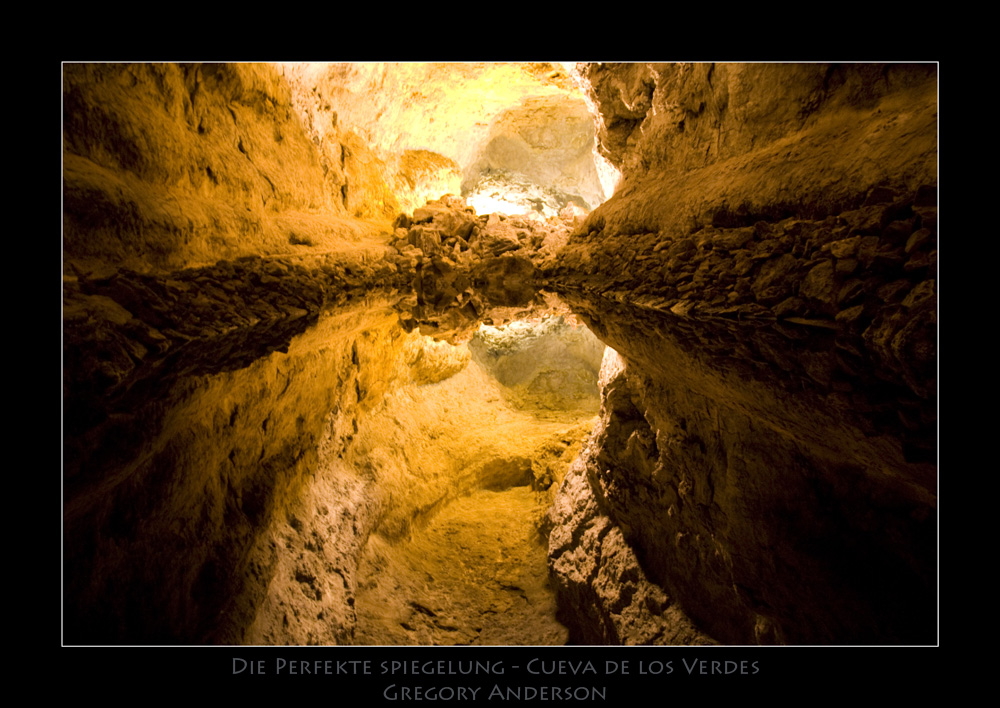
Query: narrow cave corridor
{"points": [[477, 573], [467, 462], [499, 354]]}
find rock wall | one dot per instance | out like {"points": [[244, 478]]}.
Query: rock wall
{"points": [[684, 117], [736, 145], [217, 278], [235, 370], [208, 251], [171, 494], [429, 129], [168, 166], [767, 270], [770, 509], [547, 140], [550, 365], [604, 594]]}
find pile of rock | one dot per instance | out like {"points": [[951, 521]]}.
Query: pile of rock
{"points": [[465, 267], [869, 271], [786, 268]]}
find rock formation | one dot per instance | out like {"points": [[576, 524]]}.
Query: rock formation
{"points": [[767, 270], [298, 364]]}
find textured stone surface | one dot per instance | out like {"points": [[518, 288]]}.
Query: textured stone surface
{"points": [[171, 496], [475, 575], [550, 364], [686, 116], [547, 141], [881, 305], [604, 594], [461, 475], [237, 429], [753, 271], [770, 498], [465, 269], [410, 506], [174, 165], [730, 145], [130, 336], [466, 115]]}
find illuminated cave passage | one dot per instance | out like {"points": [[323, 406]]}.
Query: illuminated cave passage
{"points": [[500, 353], [476, 572], [462, 465]]}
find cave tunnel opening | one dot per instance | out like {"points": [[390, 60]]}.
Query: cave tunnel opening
{"points": [[469, 565], [538, 158], [499, 353]]}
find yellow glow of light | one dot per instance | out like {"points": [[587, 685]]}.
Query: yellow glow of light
{"points": [[485, 204]]}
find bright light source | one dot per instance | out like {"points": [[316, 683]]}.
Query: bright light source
{"points": [[514, 194], [487, 204]]}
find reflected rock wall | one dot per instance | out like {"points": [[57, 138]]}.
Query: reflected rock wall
{"points": [[248, 321], [767, 272]]}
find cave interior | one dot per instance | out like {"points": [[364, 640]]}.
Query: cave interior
{"points": [[499, 353]]}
